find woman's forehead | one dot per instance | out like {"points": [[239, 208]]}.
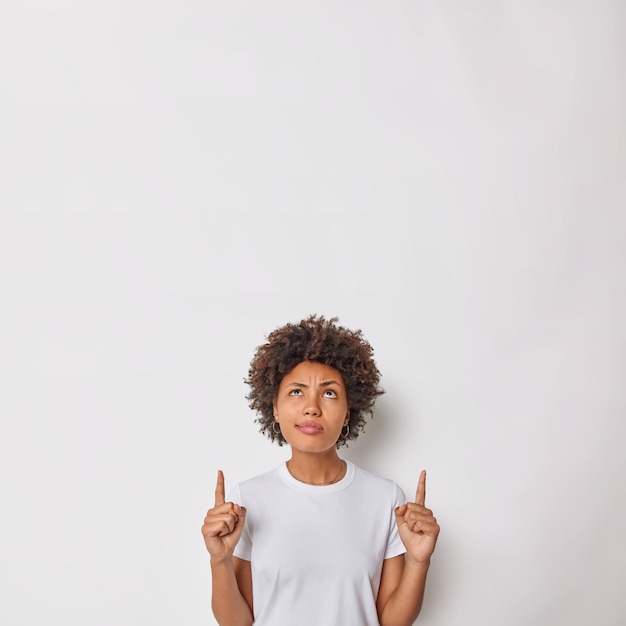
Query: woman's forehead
{"points": [[313, 370]]}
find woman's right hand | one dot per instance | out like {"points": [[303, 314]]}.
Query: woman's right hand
{"points": [[223, 524]]}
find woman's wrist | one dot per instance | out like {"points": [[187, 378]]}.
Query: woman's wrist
{"points": [[411, 562], [221, 560]]}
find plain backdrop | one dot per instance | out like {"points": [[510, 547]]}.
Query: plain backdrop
{"points": [[177, 179]]}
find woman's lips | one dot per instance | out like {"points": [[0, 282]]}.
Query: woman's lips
{"points": [[309, 428]]}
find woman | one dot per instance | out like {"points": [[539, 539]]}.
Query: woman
{"points": [[318, 540]]}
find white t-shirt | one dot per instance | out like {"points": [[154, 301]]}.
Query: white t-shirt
{"points": [[317, 552]]}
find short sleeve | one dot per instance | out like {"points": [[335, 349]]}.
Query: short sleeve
{"points": [[394, 543], [243, 549]]}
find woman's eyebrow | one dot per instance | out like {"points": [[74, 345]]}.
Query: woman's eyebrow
{"points": [[324, 384]]}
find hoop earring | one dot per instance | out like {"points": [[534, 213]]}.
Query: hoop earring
{"points": [[276, 432], [347, 431]]}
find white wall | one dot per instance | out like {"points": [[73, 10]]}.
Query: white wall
{"points": [[180, 178]]}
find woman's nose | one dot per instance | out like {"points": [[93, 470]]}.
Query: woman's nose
{"points": [[312, 408]]}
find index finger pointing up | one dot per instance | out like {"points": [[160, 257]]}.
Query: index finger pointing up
{"points": [[220, 494], [420, 494]]}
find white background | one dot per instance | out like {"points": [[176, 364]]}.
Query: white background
{"points": [[177, 179]]}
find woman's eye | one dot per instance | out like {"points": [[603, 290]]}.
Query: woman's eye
{"points": [[295, 392], [329, 393]]}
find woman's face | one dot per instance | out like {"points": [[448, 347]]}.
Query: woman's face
{"points": [[312, 407]]}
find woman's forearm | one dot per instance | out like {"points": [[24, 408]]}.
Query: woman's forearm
{"points": [[405, 602], [229, 606]]}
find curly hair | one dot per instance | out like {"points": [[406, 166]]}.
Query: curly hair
{"points": [[321, 340]]}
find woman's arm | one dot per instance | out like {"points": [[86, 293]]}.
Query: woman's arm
{"points": [[231, 599], [231, 578], [401, 591]]}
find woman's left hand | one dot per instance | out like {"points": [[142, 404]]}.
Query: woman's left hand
{"points": [[417, 525]]}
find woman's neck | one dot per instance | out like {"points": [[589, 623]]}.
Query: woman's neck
{"points": [[316, 469]]}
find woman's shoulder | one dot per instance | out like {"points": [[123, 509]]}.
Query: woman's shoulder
{"points": [[370, 476], [370, 480], [260, 480], [253, 487]]}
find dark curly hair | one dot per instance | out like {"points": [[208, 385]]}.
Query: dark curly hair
{"points": [[314, 339]]}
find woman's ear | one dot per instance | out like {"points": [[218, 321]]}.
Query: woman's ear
{"points": [[275, 409], [345, 423]]}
